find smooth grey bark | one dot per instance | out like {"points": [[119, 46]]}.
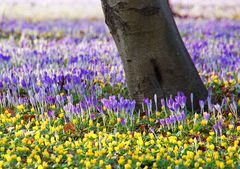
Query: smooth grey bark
{"points": [[154, 56]]}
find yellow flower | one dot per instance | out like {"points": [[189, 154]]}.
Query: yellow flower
{"points": [[177, 162], [101, 162], [180, 127], [238, 128], [61, 115], [216, 155], [154, 165], [29, 160], [226, 83], [45, 164], [229, 162], [211, 133], [57, 160], [221, 165], [19, 159], [8, 158], [1, 163], [121, 160], [179, 143], [185, 146], [87, 164], [108, 166], [208, 160], [151, 120], [141, 158], [90, 123], [204, 122], [39, 83], [196, 115], [232, 81], [74, 121], [186, 164], [127, 166], [119, 120], [158, 114], [211, 147], [138, 164], [32, 110], [53, 106], [20, 107], [196, 164], [230, 126], [163, 108], [40, 167]]}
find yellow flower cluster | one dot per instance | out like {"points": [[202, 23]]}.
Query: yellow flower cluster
{"points": [[39, 143]]}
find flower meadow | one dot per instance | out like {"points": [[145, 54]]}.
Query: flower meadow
{"points": [[64, 101]]}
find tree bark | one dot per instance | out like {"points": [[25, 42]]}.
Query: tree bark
{"points": [[154, 56]]}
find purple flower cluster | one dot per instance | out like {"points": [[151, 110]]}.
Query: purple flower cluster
{"points": [[172, 119], [78, 67], [119, 105], [178, 102], [218, 126], [4, 57]]}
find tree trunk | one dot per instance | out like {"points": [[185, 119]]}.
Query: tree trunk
{"points": [[154, 56]]}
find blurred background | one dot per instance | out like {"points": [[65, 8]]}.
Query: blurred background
{"points": [[75, 9]]}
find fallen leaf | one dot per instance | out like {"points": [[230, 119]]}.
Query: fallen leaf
{"points": [[11, 111], [69, 127], [28, 117], [142, 127]]}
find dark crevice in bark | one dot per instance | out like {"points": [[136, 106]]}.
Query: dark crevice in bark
{"points": [[156, 71], [158, 75]]}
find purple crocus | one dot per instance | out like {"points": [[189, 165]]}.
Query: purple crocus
{"points": [[5, 57], [201, 104], [92, 116], [168, 121], [179, 118], [183, 115], [51, 113], [182, 101], [219, 124], [163, 102], [1, 85], [170, 103], [122, 120], [206, 116], [162, 122], [176, 106], [215, 127], [172, 119], [147, 114]]}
